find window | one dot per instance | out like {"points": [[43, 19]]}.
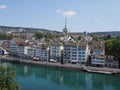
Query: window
{"points": [[79, 52], [79, 55], [74, 55], [74, 52], [74, 58], [83, 55], [83, 52]]}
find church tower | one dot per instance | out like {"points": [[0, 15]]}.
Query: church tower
{"points": [[65, 30]]}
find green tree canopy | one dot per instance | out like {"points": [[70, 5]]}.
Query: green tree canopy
{"points": [[79, 37], [5, 36], [113, 47], [38, 35], [7, 78], [49, 36], [108, 37], [96, 37]]}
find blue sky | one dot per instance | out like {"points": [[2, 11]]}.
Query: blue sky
{"points": [[82, 15]]}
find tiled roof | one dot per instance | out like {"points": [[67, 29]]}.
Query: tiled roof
{"points": [[79, 44], [23, 42], [96, 45], [82, 44], [19, 41], [71, 44], [56, 44]]}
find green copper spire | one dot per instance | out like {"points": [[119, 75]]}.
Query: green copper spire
{"points": [[65, 28], [66, 22]]}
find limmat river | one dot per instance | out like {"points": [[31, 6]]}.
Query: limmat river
{"points": [[45, 78]]}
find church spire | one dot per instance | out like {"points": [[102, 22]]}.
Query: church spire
{"points": [[66, 22], [65, 28]]}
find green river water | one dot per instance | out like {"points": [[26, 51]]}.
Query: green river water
{"points": [[45, 78]]}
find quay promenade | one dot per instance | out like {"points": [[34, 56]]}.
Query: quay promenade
{"points": [[102, 70]]}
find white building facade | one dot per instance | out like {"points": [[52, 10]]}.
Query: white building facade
{"points": [[37, 51], [13, 48], [41, 52], [55, 52], [83, 53], [98, 54], [76, 53], [31, 52], [67, 53]]}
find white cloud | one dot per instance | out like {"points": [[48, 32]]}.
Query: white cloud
{"points": [[66, 13], [3, 6], [69, 13], [59, 11]]}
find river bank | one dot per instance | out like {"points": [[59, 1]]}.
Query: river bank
{"points": [[101, 70]]}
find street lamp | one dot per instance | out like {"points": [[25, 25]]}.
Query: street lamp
{"points": [[61, 48], [48, 49]]}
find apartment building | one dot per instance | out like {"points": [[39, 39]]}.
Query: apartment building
{"points": [[55, 51], [37, 51], [41, 52], [67, 53], [14, 43], [83, 52], [97, 53], [76, 52], [31, 53], [19, 47]]}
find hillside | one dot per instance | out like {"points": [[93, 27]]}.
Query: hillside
{"points": [[7, 29], [113, 33]]}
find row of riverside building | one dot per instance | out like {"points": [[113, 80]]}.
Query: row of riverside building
{"points": [[66, 50], [92, 53]]}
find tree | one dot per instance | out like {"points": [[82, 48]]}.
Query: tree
{"points": [[117, 37], [96, 38], [116, 47], [109, 47], [7, 81], [112, 47], [49, 36], [109, 36], [79, 37], [38, 35]]}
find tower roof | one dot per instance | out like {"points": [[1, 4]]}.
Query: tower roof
{"points": [[65, 27]]}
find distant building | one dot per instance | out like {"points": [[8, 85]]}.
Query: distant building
{"points": [[85, 37], [23, 34], [66, 37]]}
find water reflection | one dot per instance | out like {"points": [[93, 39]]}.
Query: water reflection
{"points": [[77, 79]]}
